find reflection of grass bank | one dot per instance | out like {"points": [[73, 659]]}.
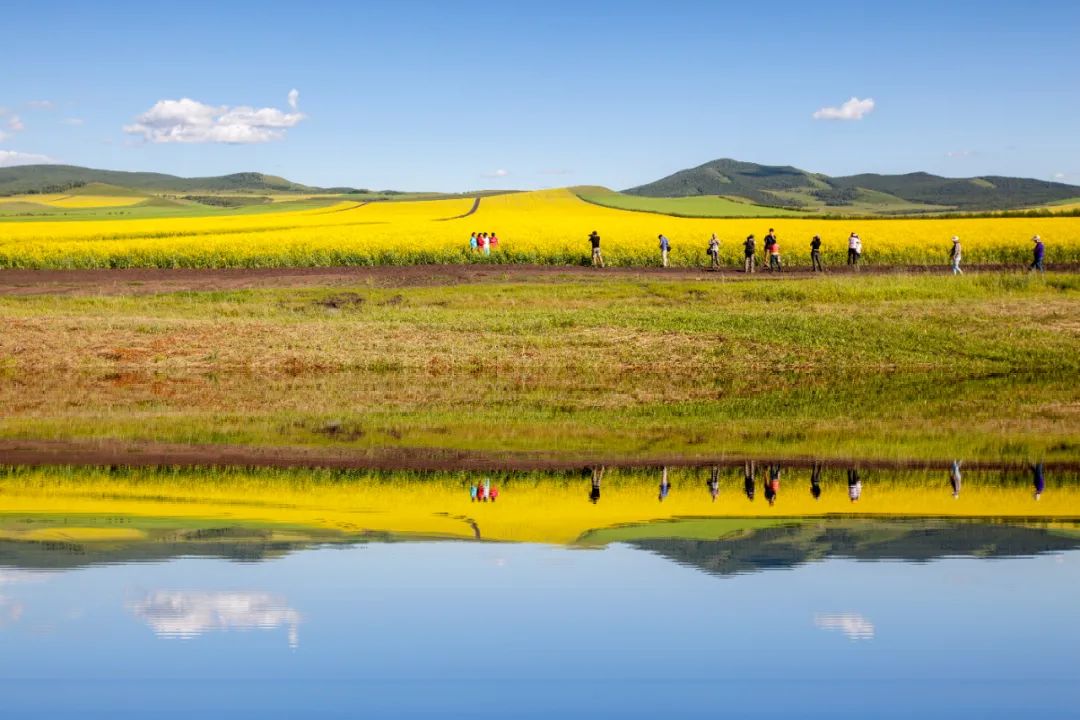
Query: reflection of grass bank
{"points": [[537, 507], [889, 367]]}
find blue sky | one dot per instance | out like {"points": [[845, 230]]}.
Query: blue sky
{"points": [[464, 95]]}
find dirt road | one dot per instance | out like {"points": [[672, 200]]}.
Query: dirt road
{"points": [[151, 280]]}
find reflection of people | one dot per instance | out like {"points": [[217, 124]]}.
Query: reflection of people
{"points": [[772, 487], [714, 483], [473, 492], [954, 478], [594, 492], [854, 485], [1038, 479], [494, 493], [665, 486], [815, 481], [748, 481]]}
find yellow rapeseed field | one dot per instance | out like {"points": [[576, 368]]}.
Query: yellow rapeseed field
{"points": [[547, 226], [530, 508]]}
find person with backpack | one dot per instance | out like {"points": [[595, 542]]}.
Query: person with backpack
{"points": [[774, 256], [815, 254], [1039, 254], [665, 248], [768, 243], [749, 250], [714, 252], [597, 258], [954, 255], [854, 250]]}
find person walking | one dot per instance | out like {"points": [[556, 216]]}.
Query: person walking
{"points": [[597, 258], [493, 241], [485, 241], [954, 255], [749, 480], [665, 248], [594, 491], [714, 252], [1038, 255], [749, 250], [854, 250], [473, 243], [955, 479], [774, 256], [815, 254], [854, 485], [665, 486], [714, 480], [767, 245]]}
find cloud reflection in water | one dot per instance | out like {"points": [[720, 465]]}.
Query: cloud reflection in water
{"points": [[186, 614]]}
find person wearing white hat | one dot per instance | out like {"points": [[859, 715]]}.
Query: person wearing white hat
{"points": [[954, 255], [1039, 254]]}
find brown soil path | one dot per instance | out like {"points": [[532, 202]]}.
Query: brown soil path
{"points": [[153, 280], [145, 454]]}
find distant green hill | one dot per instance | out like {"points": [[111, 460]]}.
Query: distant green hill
{"points": [[789, 187], [30, 179]]}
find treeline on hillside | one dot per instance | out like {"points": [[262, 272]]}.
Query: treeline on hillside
{"points": [[45, 189]]}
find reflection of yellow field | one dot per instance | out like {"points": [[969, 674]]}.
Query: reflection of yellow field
{"points": [[542, 226], [553, 509], [74, 534]]}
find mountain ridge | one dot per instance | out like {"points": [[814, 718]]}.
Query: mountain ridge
{"points": [[36, 179], [786, 186]]}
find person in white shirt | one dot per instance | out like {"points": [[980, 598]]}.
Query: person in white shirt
{"points": [[854, 250]]}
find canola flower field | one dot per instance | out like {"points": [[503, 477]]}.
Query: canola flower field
{"points": [[532, 507], [545, 227]]}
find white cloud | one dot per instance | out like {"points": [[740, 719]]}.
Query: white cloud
{"points": [[294, 98], [853, 625], [190, 121], [1060, 176], [10, 158], [500, 173], [187, 614], [73, 121], [41, 104], [853, 109], [15, 124]]}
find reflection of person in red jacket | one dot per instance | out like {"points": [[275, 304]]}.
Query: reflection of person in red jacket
{"points": [[494, 492]]}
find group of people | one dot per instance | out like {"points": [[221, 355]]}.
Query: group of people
{"points": [[772, 259], [483, 492], [771, 485], [1037, 261], [483, 242]]}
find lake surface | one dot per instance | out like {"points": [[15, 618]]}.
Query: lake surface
{"points": [[166, 592]]}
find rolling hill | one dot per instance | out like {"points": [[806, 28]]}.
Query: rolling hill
{"points": [[35, 179], [789, 187]]}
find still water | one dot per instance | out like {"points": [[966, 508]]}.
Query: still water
{"points": [[242, 593]]}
